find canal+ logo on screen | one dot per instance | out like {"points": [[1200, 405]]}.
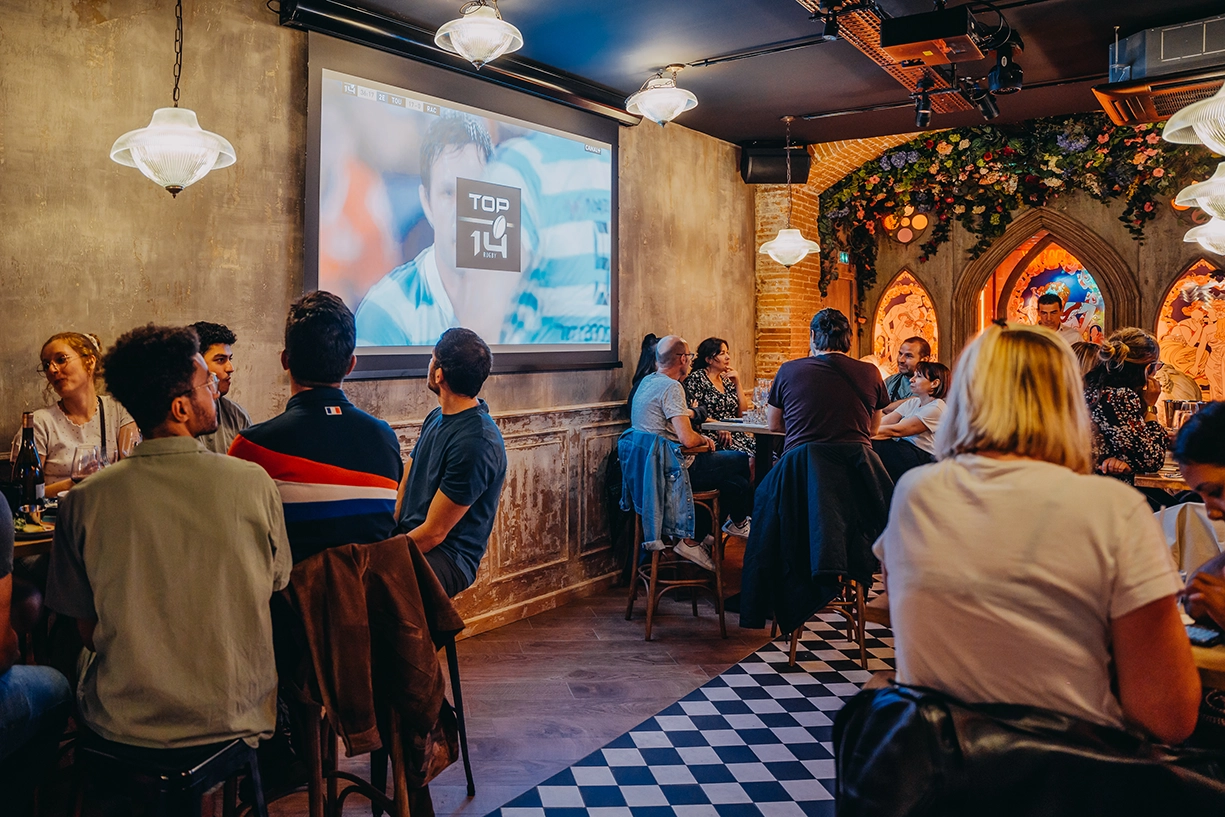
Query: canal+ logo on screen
{"points": [[487, 225]]}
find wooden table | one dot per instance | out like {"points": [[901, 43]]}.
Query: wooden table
{"points": [[32, 547], [764, 443], [1166, 482], [1209, 660]]}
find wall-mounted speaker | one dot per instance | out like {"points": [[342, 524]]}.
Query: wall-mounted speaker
{"points": [[769, 165]]}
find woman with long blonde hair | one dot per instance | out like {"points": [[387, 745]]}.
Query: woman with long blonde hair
{"points": [[1015, 575], [70, 363]]}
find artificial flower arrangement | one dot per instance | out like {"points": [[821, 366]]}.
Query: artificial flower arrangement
{"points": [[980, 176]]}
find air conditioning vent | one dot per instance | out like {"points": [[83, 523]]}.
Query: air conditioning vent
{"points": [[1157, 98]]}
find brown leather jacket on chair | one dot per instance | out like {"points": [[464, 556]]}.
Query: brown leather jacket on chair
{"points": [[375, 617]]}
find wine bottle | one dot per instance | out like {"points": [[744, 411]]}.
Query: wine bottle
{"points": [[28, 467]]}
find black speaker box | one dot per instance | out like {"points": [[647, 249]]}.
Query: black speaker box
{"points": [[769, 165]]}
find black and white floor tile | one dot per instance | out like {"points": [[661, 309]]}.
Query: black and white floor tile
{"points": [[754, 742]]}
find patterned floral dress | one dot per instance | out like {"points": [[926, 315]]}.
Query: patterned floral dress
{"points": [[1122, 432], [719, 406]]}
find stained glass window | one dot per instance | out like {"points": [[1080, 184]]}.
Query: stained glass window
{"points": [[905, 311], [1191, 320]]}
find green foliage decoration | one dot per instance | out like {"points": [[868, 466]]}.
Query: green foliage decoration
{"points": [[980, 177]]}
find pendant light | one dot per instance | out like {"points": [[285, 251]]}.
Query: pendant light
{"points": [[659, 99], [1200, 123], [173, 150], [789, 246], [479, 34], [1208, 195], [1210, 236]]}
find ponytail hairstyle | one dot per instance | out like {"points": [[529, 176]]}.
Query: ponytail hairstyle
{"points": [[1123, 360]]}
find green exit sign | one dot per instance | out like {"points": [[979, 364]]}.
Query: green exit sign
{"points": [[844, 258]]}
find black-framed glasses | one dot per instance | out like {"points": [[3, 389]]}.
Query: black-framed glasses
{"points": [[57, 362], [690, 355]]}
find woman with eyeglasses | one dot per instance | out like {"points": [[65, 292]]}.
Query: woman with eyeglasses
{"points": [[1122, 397], [69, 360]]}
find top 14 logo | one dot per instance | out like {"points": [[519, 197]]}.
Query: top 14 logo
{"points": [[487, 226]]}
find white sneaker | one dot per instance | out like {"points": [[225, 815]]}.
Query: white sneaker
{"points": [[732, 529], [698, 554]]}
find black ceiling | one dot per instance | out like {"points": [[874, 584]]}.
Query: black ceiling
{"points": [[620, 43]]}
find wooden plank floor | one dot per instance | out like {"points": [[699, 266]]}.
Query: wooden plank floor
{"points": [[544, 692]]}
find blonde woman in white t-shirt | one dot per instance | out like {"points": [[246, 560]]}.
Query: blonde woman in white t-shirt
{"points": [[69, 360], [1014, 574]]}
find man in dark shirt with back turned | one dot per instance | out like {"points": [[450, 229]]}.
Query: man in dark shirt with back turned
{"points": [[827, 397], [450, 492], [336, 466]]}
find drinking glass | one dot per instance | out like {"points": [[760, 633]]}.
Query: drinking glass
{"points": [[86, 460], [127, 444]]}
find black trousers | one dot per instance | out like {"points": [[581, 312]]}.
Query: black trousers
{"points": [[899, 456], [727, 472]]}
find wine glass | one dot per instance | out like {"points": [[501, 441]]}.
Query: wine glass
{"points": [[127, 443], [86, 460]]}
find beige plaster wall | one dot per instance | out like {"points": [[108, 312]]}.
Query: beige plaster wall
{"points": [[88, 245]]}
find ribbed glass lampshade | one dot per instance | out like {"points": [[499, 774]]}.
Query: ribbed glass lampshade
{"points": [[480, 36], [1210, 236], [1208, 195], [173, 150], [660, 100], [789, 247], [1200, 123]]}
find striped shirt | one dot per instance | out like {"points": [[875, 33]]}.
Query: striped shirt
{"points": [[566, 215], [337, 469], [407, 307]]}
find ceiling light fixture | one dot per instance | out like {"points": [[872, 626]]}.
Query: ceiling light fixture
{"points": [[173, 150], [479, 35], [831, 27], [1210, 236], [659, 99], [789, 246], [922, 103], [1208, 195], [1200, 123], [1006, 77], [982, 98]]}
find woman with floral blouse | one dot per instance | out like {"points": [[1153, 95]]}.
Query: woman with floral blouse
{"points": [[714, 385], [1122, 398]]}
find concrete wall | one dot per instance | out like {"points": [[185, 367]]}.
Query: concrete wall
{"points": [[89, 245]]}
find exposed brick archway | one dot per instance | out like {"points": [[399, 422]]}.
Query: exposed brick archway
{"points": [[1115, 278]]}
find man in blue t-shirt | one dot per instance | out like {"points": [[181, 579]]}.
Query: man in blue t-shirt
{"points": [[454, 477]]}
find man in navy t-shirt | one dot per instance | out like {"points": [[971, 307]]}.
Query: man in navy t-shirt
{"points": [[450, 491]]}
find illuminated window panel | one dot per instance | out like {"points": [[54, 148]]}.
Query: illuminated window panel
{"points": [[905, 310], [1191, 331]]}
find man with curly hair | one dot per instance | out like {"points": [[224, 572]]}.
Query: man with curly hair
{"points": [[167, 561]]}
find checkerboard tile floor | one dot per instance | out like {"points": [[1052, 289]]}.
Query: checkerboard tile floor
{"points": [[754, 742]]}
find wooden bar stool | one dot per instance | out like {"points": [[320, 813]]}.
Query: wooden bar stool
{"points": [[850, 603], [665, 573]]}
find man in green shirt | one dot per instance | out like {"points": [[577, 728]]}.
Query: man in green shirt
{"points": [[217, 346], [167, 560]]}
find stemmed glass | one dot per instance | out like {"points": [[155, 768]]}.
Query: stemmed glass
{"points": [[86, 460]]}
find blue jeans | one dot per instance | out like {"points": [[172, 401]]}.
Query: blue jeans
{"points": [[34, 706], [728, 472]]}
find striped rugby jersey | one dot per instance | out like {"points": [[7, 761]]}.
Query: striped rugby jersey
{"points": [[337, 469], [566, 237], [406, 307]]}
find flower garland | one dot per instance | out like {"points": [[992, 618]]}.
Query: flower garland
{"points": [[980, 176]]}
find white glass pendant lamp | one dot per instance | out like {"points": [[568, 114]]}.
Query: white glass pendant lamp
{"points": [[790, 246], [659, 99], [173, 150], [1207, 195], [1200, 123], [1210, 236], [479, 34]]}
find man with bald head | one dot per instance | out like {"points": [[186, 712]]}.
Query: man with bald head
{"points": [[660, 408]]}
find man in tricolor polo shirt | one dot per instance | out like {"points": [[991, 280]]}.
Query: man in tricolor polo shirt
{"points": [[336, 466]]}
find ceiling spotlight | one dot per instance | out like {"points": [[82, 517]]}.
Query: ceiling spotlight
{"points": [[1006, 76], [479, 35], [659, 99], [831, 27], [979, 96], [922, 103], [1200, 123]]}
